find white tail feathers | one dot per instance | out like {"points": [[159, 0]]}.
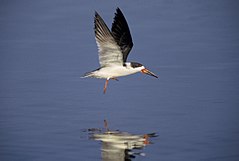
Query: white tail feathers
{"points": [[88, 74]]}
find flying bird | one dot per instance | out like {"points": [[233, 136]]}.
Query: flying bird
{"points": [[114, 47]]}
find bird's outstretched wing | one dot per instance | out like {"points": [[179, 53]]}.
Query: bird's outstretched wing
{"points": [[109, 51], [121, 33]]}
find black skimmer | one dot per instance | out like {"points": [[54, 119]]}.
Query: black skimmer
{"points": [[114, 47]]}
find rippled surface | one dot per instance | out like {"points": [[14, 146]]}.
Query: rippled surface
{"points": [[45, 47], [118, 145]]}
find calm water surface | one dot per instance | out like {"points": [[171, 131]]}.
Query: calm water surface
{"points": [[45, 46]]}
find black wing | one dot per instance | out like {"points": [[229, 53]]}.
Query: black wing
{"points": [[121, 33]]}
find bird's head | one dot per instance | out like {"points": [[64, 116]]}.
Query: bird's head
{"points": [[139, 67]]}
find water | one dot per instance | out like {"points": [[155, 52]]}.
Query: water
{"points": [[46, 46]]}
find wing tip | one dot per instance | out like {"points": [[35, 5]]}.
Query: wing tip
{"points": [[118, 10], [96, 14]]}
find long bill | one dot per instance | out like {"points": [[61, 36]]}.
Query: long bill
{"points": [[146, 71]]}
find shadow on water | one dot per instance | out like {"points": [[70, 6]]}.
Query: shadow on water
{"points": [[118, 145]]}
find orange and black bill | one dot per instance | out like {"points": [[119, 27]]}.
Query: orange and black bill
{"points": [[146, 71]]}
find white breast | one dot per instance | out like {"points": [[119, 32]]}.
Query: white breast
{"points": [[115, 71]]}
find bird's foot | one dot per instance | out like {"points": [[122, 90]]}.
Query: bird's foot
{"points": [[114, 79]]}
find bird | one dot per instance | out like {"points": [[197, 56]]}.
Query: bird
{"points": [[113, 49]]}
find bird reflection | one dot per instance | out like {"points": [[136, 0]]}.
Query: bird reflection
{"points": [[120, 146]]}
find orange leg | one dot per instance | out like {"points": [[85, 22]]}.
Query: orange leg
{"points": [[106, 84], [146, 141]]}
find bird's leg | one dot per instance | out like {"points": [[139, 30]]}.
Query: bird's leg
{"points": [[146, 141], [106, 84], [114, 79]]}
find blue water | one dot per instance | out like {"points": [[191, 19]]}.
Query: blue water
{"points": [[46, 46]]}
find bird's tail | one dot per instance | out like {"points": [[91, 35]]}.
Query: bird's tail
{"points": [[88, 74]]}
